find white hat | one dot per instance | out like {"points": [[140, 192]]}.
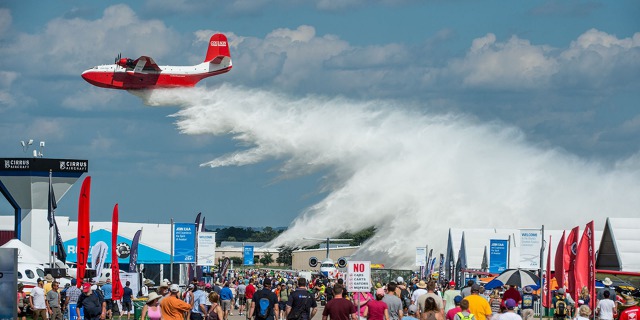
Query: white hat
{"points": [[174, 288], [607, 282], [400, 280], [164, 283]]}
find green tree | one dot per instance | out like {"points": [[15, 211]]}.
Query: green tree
{"points": [[266, 259], [285, 255], [237, 261]]}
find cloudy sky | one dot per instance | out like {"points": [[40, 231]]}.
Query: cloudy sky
{"points": [[559, 77]]}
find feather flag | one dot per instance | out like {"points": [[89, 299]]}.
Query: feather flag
{"points": [[546, 290], [559, 263], [51, 216], [133, 257], [571, 248], [115, 266], [83, 229], [198, 221], [584, 270]]}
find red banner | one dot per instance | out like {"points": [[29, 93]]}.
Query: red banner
{"points": [[117, 289], [546, 289], [559, 263], [585, 267], [83, 229], [571, 248]]}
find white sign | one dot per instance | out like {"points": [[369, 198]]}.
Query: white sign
{"points": [[530, 243], [206, 249], [359, 276], [421, 256]]}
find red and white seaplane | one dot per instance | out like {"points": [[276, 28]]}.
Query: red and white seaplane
{"points": [[144, 73]]}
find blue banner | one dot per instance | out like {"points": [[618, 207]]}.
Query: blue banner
{"points": [[184, 243], [247, 254], [498, 256]]}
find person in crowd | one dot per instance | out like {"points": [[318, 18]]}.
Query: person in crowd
{"points": [[465, 313], [466, 291], [251, 290], [301, 305], [608, 286], [451, 314], [512, 293], [478, 305], [163, 289], [127, 299], [394, 304], [22, 302], [242, 300], [431, 310], [362, 299], [421, 289], [584, 313], [431, 287], [151, 309], [226, 296], [264, 312], [52, 301], [630, 309], [584, 296], [73, 293], [377, 309], [495, 301], [199, 309], [510, 313], [215, 311], [528, 300], [107, 292], [187, 296], [606, 307], [49, 283], [449, 296], [37, 301], [282, 292], [412, 312], [171, 306], [92, 303], [561, 305]]}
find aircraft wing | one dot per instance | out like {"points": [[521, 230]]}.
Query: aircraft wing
{"points": [[145, 63]]}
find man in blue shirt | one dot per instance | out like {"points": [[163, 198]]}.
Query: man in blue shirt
{"points": [[199, 302], [127, 296], [226, 296], [107, 292]]}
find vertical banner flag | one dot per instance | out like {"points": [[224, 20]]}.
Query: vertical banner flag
{"points": [[82, 246], [247, 255], [98, 256], [117, 289], [203, 224], [441, 275], [560, 264], [584, 270], [184, 240], [498, 255], [570, 250], [61, 254], [546, 289], [198, 221], [224, 268], [206, 249], [133, 256], [432, 266], [421, 256], [530, 243]]}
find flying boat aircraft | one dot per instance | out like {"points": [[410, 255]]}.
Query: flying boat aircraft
{"points": [[144, 73]]}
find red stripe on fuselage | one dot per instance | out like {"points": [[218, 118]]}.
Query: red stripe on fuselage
{"points": [[133, 81]]}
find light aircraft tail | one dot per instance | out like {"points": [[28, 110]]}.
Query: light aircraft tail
{"points": [[218, 49]]}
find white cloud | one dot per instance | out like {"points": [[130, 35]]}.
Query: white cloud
{"points": [[5, 21]]}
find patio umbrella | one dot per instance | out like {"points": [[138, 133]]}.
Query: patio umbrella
{"points": [[517, 277]]}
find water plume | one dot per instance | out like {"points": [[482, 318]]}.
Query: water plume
{"points": [[410, 174]]}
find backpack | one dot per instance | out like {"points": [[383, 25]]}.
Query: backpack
{"points": [[527, 301], [463, 317], [406, 298], [560, 307], [212, 314], [265, 308]]}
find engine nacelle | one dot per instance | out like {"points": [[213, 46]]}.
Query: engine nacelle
{"points": [[313, 262]]}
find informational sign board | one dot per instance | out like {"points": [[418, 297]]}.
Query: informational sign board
{"points": [[359, 276], [247, 255], [498, 255], [8, 283], [206, 248], [530, 243], [184, 243], [421, 256]]}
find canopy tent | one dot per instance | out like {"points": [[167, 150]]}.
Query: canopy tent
{"points": [[619, 248], [27, 254]]}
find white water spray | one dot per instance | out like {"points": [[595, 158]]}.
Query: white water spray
{"points": [[410, 175]]}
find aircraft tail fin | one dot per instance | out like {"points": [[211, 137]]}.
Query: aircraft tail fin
{"points": [[218, 49]]}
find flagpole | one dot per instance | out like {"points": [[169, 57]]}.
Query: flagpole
{"points": [[171, 253], [50, 225], [542, 280]]}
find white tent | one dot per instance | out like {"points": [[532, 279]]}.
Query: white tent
{"points": [[26, 254], [619, 248]]}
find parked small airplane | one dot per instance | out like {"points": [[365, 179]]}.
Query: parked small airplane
{"points": [[144, 73]]}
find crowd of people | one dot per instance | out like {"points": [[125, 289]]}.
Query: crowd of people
{"points": [[285, 296]]}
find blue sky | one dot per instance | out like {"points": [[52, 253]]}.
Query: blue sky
{"points": [[563, 75]]}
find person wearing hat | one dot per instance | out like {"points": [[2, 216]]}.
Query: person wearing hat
{"points": [[608, 286], [37, 301], [449, 296], [528, 299], [422, 289], [152, 308], [412, 310], [478, 305], [511, 314], [53, 302], [631, 310], [199, 309], [451, 314], [376, 308], [144, 291], [171, 306], [163, 289], [49, 280], [92, 303]]}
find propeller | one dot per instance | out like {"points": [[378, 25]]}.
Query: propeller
{"points": [[118, 58]]}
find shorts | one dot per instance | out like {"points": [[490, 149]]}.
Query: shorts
{"points": [[40, 313], [109, 304], [126, 306], [282, 305], [226, 305], [242, 299]]}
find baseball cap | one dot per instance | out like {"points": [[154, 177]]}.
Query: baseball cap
{"points": [[86, 287], [475, 287], [510, 303], [400, 280], [174, 288], [164, 283], [457, 299], [413, 309], [208, 285], [380, 291]]}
